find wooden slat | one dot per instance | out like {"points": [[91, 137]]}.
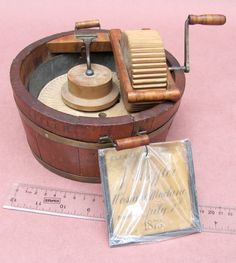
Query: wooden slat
{"points": [[147, 55], [150, 81], [60, 156], [148, 60], [149, 65], [148, 70], [70, 44], [145, 76], [88, 160], [146, 49]]}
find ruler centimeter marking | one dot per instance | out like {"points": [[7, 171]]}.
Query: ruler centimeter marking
{"points": [[218, 219], [52, 201]]}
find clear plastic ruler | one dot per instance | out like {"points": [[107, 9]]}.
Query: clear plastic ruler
{"points": [[52, 201]]}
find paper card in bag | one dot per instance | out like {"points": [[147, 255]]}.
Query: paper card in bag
{"points": [[149, 192]]}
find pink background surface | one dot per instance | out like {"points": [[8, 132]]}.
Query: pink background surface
{"points": [[207, 116]]}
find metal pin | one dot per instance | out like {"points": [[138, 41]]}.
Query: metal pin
{"points": [[146, 149]]}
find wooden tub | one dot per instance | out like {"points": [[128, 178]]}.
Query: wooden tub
{"points": [[66, 144]]}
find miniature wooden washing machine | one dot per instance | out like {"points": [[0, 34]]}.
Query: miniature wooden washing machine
{"points": [[88, 89]]}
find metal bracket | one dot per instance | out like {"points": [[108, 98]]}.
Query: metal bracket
{"points": [[139, 133], [87, 39], [106, 139]]}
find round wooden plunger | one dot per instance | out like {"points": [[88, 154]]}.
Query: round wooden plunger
{"points": [[90, 93]]}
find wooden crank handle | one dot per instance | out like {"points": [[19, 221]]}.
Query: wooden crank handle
{"points": [[209, 19], [132, 142], [87, 24]]}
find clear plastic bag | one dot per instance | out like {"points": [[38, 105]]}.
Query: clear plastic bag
{"points": [[149, 192]]}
